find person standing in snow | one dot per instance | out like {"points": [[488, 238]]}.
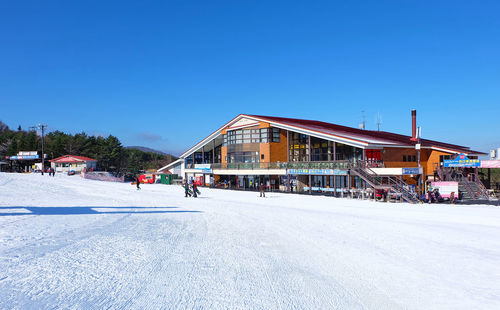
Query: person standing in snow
{"points": [[186, 189], [195, 189], [137, 183], [262, 192]]}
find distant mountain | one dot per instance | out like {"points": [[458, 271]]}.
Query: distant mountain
{"points": [[146, 149]]}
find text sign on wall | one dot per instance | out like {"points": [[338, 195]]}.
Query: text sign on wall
{"points": [[317, 171], [445, 188], [462, 161], [25, 157], [408, 171]]}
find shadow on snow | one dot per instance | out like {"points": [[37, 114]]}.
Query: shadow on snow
{"points": [[89, 210]]}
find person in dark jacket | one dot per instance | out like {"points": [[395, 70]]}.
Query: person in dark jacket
{"points": [[137, 183], [186, 190], [261, 189]]}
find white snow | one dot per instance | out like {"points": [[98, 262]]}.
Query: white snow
{"points": [[67, 242]]}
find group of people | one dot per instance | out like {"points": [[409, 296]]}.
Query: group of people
{"points": [[433, 196], [191, 189], [51, 171]]}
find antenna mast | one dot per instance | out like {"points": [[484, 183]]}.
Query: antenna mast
{"points": [[379, 121]]}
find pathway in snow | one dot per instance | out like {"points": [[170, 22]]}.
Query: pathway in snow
{"points": [[66, 242]]}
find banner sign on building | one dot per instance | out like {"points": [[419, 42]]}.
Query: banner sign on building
{"points": [[24, 156], [462, 161], [317, 171], [445, 188], [409, 171], [204, 168], [490, 163]]}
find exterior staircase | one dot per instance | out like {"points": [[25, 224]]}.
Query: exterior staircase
{"points": [[468, 190], [392, 184]]}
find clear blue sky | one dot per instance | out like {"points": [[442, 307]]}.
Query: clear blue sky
{"points": [[165, 74]]}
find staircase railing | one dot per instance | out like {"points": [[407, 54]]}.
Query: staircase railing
{"points": [[403, 188], [482, 188], [450, 174], [363, 170]]}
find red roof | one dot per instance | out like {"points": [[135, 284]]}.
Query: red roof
{"points": [[71, 159], [370, 136], [354, 135]]}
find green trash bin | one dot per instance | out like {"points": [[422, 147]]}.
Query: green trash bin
{"points": [[163, 179]]}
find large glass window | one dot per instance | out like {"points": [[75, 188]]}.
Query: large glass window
{"points": [[299, 148], [347, 152], [198, 159], [243, 157], [321, 150], [264, 135], [255, 135], [252, 135]]}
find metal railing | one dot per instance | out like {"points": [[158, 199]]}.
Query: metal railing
{"points": [[362, 169], [475, 189], [339, 164]]}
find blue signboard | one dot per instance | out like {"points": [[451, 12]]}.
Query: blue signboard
{"points": [[23, 157], [408, 171], [462, 161], [317, 171]]}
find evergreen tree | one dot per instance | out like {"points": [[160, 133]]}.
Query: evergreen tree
{"points": [[109, 152]]}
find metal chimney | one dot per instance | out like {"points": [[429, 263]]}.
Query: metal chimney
{"points": [[413, 125]]}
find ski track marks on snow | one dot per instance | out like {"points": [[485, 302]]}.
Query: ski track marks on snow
{"points": [[67, 242]]}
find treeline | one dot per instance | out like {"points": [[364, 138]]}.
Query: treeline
{"points": [[108, 151]]}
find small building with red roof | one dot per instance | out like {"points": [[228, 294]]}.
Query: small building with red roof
{"points": [[73, 162]]}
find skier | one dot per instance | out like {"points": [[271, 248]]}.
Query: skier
{"points": [[261, 188], [195, 190], [137, 183], [186, 189]]}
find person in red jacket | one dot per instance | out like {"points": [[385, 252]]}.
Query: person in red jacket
{"points": [[195, 190]]}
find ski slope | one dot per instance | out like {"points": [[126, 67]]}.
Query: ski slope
{"points": [[67, 242]]}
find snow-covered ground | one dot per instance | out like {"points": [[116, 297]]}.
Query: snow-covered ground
{"points": [[66, 242]]}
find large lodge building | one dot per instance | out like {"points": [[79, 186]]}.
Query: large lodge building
{"points": [[309, 156]]}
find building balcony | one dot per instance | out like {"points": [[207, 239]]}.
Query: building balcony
{"points": [[340, 164]]}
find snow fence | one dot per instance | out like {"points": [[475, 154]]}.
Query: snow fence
{"points": [[101, 176]]}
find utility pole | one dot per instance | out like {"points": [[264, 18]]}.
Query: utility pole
{"points": [[420, 176], [42, 127]]}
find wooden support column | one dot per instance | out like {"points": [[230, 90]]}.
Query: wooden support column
{"points": [[334, 151], [288, 187], [287, 146], [364, 189], [213, 152], [335, 185], [309, 146], [309, 159], [349, 185], [489, 179], [329, 151]]}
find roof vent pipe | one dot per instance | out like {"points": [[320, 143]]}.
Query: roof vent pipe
{"points": [[413, 125]]}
